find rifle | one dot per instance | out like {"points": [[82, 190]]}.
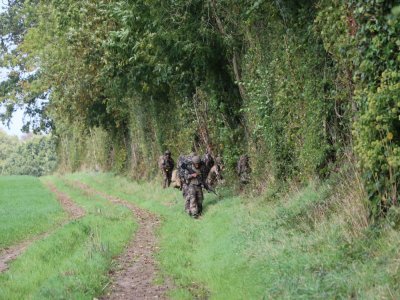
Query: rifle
{"points": [[204, 184], [210, 190]]}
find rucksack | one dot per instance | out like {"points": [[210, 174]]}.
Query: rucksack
{"points": [[184, 163]]}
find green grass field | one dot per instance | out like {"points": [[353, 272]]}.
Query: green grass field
{"points": [[73, 262], [299, 246], [27, 208]]}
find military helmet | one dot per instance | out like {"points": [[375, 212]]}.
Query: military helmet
{"points": [[196, 159], [167, 152], [218, 160]]}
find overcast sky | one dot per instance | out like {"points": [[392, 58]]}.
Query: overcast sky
{"points": [[16, 122]]}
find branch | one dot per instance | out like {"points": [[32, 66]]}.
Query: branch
{"points": [[235, 55]]}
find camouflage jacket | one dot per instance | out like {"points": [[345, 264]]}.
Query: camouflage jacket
{"points": [[197, 181], [166, 164], [215, 174], [243, 165]]}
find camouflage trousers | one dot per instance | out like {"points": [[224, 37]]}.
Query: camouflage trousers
{"points": [[244, 178], [193, 200], [185, 187], [167, 175]]}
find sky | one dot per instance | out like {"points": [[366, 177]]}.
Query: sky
{"points": [[16, 121]]}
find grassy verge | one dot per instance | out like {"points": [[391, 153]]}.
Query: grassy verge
{"points": [[27, 208], [298, 247], [71, 263]]}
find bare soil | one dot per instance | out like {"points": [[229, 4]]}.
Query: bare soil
{"points": [[135, 274], [74, 212]]}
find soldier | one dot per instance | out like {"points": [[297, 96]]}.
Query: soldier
{"points": [[166, 164], [184, 162], [243, 169], [207, 163], [194, 192], [215, 174]]}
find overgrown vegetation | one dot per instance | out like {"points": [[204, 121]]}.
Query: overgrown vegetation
{"points": [[33, 155], [377, 130], [308, 245], [285, 81]]}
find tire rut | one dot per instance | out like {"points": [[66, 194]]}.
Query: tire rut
{"points": [[136, 267], [74, 211]]}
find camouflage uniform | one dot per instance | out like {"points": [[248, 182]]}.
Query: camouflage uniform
{"points": [[207, 164], [243, 169], [193, 192], [167, 165], [184, 183], [215, 176]]}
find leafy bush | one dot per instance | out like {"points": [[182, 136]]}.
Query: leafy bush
{"points": [[377, 129]]}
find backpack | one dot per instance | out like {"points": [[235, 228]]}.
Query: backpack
{"points": [[184, 163]]}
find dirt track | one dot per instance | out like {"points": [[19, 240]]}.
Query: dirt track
{"points": [[74, 212], [134, 276]]}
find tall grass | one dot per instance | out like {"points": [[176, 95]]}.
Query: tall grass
{"points": [[73, 262], [27, 208], [300, 246]]}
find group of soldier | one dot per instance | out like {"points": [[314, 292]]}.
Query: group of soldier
{"points": [[193, 173]]}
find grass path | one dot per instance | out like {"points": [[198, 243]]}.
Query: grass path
{"points": [[136, 268], [74, 211], [296, 247], [72, 262]]}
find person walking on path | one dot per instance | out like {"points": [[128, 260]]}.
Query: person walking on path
{"points": [[166, 164], [194, 192]]}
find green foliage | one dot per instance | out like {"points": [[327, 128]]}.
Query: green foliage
{"points": [[8, 145], [377, 129], [281, 80], [287, 107], [362, 38], [335, 24], [36, 156]]}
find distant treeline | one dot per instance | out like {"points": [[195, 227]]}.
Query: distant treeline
{"points": [[303, 87], [33, 155]]}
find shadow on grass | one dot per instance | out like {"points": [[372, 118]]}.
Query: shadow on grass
{"points": [[223, 194]]}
